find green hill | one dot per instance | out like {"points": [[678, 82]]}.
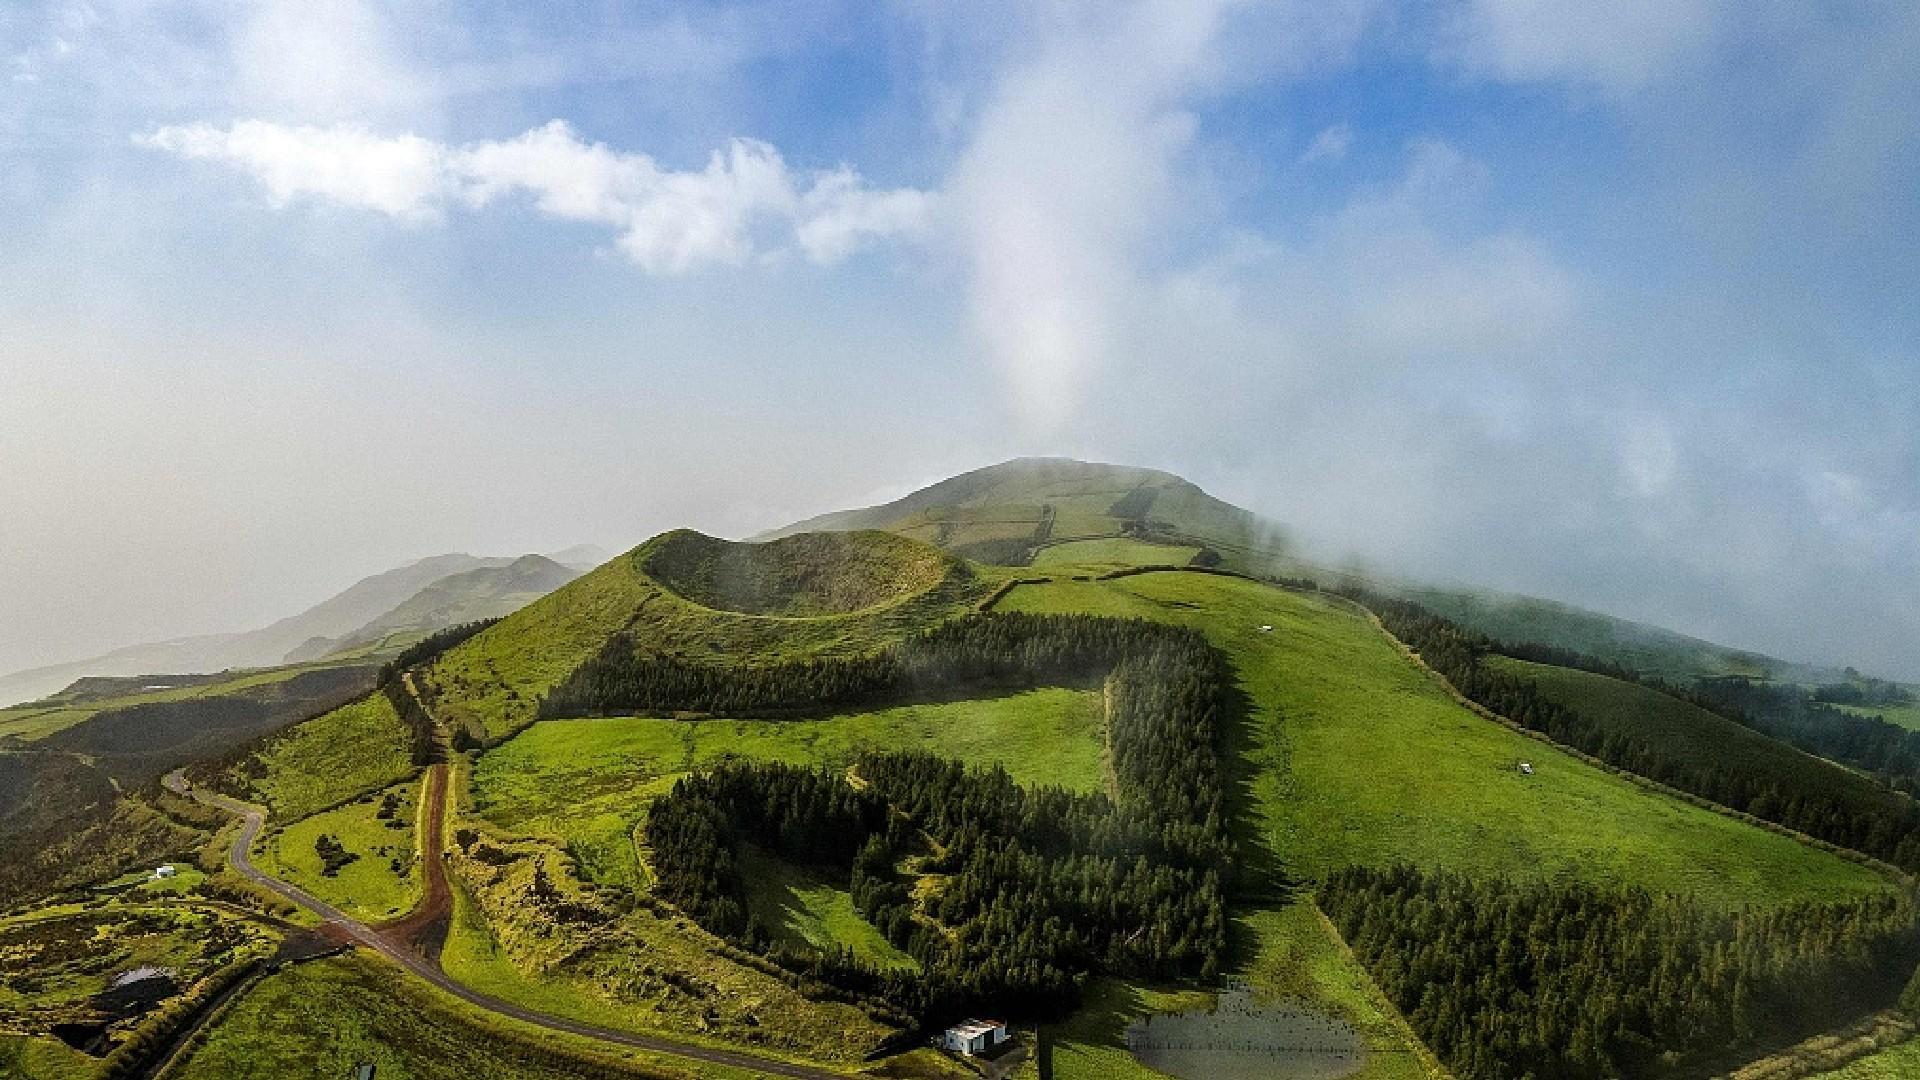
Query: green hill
{"points": [[484, 593], [1663, 737], [1649, 650], [798, 596], [1006, 513], [801, 576], [1354, 755], [1050, 511]]}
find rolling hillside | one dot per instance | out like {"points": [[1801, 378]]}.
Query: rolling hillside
{"points": [[484, 593], [1048, 511], [1354, 756], [698, 597], [308, 635], [1006, 513]]}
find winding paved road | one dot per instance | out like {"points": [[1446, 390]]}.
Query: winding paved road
{"points": [[396, 946]]}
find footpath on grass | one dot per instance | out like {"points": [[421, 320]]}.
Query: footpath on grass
{"points": [[413, 941]]}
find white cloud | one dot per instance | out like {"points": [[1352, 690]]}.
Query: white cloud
{"points": [[745, 201], [1330, 145], [403, 176], [1618, 46], [322, 60], [1068, 165]]}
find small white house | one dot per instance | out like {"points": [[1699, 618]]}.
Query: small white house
{"points": [[1526, 768], [164, 871], [1266, 628], [974, 1036]]}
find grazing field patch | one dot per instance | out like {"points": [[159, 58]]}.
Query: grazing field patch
{"points": [[370, 1012], [1906, 716], [1113, 551], [1900, 1062], [352, 750], [588, 782], [359, 857], [1352, 754], [804, 910]]}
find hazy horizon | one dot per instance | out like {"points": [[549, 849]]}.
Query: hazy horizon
{"points": [[1612, 311]]}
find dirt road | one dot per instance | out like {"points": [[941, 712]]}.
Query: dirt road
{"points": [[398, 940]]}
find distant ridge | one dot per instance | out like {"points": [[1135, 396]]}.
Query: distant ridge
{"points": [[341, 615], [486, 593]]}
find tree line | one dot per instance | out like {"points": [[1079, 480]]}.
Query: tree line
{"points": [[1576, 982], [1038, 886], [1794, 715], [423, 742], [961, 656], [1807, 719], [1857, 816]]}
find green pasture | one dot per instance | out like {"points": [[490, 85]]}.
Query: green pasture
{"points": [[334, 757], [1352, 754], [1113, 551], [322, 1019], [804, 910], [587, 783], [368, 888]]}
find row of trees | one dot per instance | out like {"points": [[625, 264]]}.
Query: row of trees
{"points": [[1039, 886], [967, 655], [1857, 816], [1792, 714], [1574, 982], [1806, 719], [422, 734]]}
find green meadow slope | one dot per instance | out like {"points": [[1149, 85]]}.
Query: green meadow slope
{"points": [[1354, 755], [1685, 733], [588, 783], [704, 599], [1007, 513], [1021, 512]]}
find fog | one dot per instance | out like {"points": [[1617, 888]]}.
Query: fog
{"points": [[1611, 309]]}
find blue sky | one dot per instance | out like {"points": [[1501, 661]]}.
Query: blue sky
{"points": [[1612, 303]]}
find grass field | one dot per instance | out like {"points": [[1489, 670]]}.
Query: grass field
{"points": [[1113, 551], [361, 1009], [1901, 1062], [1687, 732], [37, 720], [338, 756], [43, 1057], [492, 684], [587, 783], [805, 910], [1353, 755], [1906, 716], [642, 972], [368, 888]]}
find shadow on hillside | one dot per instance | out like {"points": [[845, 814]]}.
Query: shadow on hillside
{"points": [[1261, 879]]}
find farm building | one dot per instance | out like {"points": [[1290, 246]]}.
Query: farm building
{"points": [[974, 1036], [164, 871]]}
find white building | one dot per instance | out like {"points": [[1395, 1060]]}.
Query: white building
{"points": [[974, 1036], [165, 870]]}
